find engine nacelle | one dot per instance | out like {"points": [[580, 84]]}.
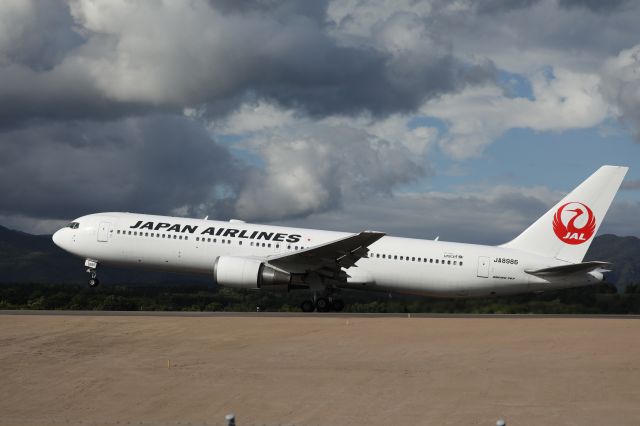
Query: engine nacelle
{"points": [[244, 272]]}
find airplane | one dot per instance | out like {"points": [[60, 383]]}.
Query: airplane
{"points": [[547, 255]]}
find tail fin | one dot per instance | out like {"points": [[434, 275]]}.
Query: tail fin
{"points": [[567, 230]]}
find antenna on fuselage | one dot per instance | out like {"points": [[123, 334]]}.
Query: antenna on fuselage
{"points": [[437, 238], [206, 217]]}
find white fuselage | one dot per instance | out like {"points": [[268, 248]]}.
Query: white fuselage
{"points": [[404, 265]]}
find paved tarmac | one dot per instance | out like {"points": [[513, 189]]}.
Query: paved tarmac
{"points": [[165, 369]]}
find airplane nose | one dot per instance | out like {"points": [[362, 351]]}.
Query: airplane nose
{"points": [[57, 238]]}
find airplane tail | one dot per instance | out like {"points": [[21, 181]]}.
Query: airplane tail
{"points": [[567, 230]]}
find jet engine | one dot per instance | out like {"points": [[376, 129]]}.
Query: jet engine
{"points": [[243, 272]]}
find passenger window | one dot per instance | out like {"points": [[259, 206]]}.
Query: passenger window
{"points": [[395, 257], [186, 237], [460, 263], [455, 262], [413, 259], [175, 237], [135, 233], [269, 245], [277, 245], [437, 261], [401, 258], [448, 262]]}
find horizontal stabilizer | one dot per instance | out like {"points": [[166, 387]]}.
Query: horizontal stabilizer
{"points": [[568, 269]]}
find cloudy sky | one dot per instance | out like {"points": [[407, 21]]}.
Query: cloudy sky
{"points": [[461, 119]]}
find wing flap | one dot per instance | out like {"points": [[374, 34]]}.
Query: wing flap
{"points": [[327, 259]]}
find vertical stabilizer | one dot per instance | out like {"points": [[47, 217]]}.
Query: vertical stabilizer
{"points": [[567, 230]]}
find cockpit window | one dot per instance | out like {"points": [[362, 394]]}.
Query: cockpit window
{"points": [[73, 225]]}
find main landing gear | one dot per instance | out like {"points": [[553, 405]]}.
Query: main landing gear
{"points": [[322, 304], [92, 265]]}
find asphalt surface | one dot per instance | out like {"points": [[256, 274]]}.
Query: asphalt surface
{"points": [[65, 368]]}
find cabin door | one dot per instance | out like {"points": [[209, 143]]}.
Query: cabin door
{"points": [[483, 266], [103, 231]]}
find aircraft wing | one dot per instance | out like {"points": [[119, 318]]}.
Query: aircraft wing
{"points": [[568, 269], [328, 259]]}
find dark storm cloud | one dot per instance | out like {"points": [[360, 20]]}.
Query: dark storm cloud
{"points": [[597, 6], [153, 164], [498, 6], [40, 37], [325, 80], [315, 10], [87, 62]]}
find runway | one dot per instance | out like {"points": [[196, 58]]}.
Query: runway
{"points": [[119, 368]]}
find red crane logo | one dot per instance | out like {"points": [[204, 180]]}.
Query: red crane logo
{"points": [[572, 233]]}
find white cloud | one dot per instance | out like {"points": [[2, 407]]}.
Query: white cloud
{"points": [[313, 167], [621, 86], [478, 115], [253, 117]]}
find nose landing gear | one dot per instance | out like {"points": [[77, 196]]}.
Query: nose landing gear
{"points": [[92, 265]]}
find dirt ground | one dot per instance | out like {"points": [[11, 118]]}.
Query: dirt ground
{"points": [[87, 370]]}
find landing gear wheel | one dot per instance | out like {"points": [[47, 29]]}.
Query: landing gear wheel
{"points": [[94, 282], [323, 305], [338, 305], [307, 306]]}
